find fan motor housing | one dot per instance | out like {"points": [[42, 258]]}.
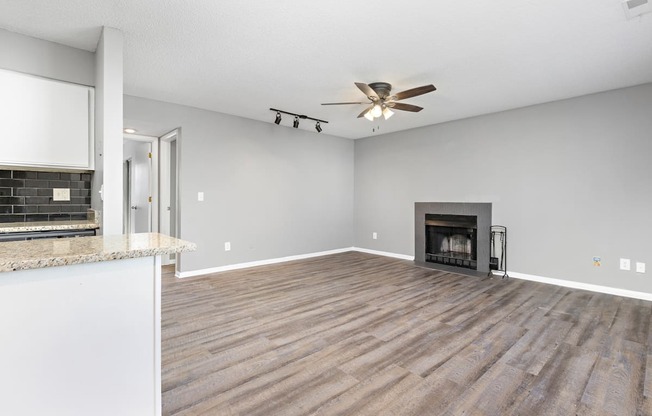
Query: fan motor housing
{"points": [[382, 89]]}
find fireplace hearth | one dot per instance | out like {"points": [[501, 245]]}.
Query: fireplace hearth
{"points": [[452, 235]]}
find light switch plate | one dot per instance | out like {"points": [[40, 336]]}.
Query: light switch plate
{"points": [[640, 267], [200, 196], [61, 194], [624, 264]]}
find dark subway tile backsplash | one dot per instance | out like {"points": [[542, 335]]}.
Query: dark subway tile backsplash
{"points": [[33, 183], [48, 175], [24, 174], [12, 183], [26, 196]]}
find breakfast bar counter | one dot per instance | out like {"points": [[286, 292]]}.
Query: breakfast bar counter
{"points": [[36, 254], [80, 320]]}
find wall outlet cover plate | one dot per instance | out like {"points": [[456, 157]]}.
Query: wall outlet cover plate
{"points": [[61, 194]]}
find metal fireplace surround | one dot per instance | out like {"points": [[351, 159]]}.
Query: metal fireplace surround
{"points": [[482, 212]]}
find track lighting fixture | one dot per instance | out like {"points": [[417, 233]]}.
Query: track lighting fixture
{"points": [[296, 116]]}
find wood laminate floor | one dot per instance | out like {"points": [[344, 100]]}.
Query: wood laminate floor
{"points": [[357, 334]]}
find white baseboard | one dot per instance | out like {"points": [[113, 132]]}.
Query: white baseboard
{"points": [[200, 272], [383, 253], [523, 276], [584, 286]]}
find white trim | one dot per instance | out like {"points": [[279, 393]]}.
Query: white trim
{"points": [[583, 286], [193, 273], [139, 137], [384, 253], [547, 280], [165, 144]]}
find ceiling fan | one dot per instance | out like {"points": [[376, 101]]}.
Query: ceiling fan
{"points": [[382, 103]]}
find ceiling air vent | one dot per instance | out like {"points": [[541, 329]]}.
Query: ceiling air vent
{"points": [[634, 8]]}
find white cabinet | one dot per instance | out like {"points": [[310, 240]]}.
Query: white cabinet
{"points": [[45, 123]]}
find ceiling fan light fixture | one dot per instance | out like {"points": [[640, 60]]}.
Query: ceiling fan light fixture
{"points": [[376, 110], [368, 115], [278, 118], [387, 113]]}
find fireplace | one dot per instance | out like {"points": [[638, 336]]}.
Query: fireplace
{"points": [[452, 240], [452, 235]]}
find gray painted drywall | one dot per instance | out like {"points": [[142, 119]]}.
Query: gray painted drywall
{"points": [[271, 191], [569, 179], [46, 59]]}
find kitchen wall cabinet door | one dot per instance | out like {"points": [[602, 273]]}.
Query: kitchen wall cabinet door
{"points": [[46, 123]]}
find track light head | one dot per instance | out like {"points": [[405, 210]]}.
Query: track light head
{"points": [[318, 127], [295, 124], [278, 118]]}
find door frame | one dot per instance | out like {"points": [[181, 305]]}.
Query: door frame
{"points": [[153, 215], [127, 179], [165, 143]]}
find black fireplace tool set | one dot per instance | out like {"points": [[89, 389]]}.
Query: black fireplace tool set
{"points": [[498, 252]]}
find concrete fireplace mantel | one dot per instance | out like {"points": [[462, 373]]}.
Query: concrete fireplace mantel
{"points": [[481, 210]]}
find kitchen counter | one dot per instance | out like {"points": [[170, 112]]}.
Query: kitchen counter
{"points": [[36, 254], [19, 227], [80, 320]]}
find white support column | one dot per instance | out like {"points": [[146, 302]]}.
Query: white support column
{"points": [[108, 130]]}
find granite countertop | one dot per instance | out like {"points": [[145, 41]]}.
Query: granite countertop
{"points": [[19, 227], [35, 254]]}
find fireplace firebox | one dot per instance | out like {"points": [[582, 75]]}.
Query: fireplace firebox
{"points": [[452, 240]]}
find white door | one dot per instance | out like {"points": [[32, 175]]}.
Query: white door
{"points": [[138, 154]]}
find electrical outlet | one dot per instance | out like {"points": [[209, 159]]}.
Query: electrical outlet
{"points": [[374, 236], [625, 264], [227, 246], [61, 194], [640, 267], [200, 196]]}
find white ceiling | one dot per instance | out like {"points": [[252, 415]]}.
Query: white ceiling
{"points": [[243, 57]]}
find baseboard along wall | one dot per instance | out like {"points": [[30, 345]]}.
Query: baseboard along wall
{"points": [[523, 276]]}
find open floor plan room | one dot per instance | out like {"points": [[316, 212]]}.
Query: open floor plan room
{"points": [[359, 334]]}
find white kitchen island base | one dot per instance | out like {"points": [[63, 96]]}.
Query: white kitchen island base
{"points": [[83, 339]]}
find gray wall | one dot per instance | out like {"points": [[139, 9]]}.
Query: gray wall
{"points": [[46, 59], [272, 191], [569, 179]]}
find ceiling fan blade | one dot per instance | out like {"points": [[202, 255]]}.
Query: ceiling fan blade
{"points": [[367, 90], [413, 92], [405, 107], [364, 112], [359, 102]]}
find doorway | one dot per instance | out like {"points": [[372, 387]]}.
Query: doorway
{"points": [[140, 184], [169, 187]]}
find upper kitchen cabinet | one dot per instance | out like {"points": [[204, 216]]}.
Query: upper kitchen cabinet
{"points": [[46, 123]]}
